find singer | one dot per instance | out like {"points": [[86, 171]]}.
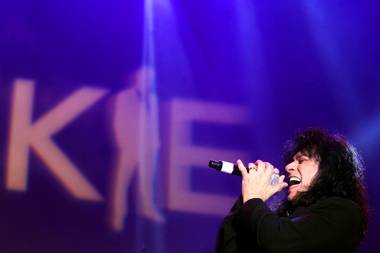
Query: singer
{"points": [[326, 206]]}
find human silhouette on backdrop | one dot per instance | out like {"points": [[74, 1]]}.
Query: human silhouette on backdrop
{"points": [[135, 126]]}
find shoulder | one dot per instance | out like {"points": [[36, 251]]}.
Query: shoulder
{"points": [[337, 203], [338, 211]]}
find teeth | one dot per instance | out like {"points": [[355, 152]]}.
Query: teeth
{"points": [[294, 180]]}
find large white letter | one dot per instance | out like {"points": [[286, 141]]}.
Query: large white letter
{"points": [[24, 134], [183, 154]]}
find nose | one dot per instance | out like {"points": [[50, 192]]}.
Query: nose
{"points": [[290, 167]]}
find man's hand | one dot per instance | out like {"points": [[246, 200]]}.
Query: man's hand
{"points": [[256, 181]]}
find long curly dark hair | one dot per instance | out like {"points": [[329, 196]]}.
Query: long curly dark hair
{"points": [[340, 174]]}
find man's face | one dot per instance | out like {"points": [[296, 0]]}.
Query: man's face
{"points": [[301, 172]]}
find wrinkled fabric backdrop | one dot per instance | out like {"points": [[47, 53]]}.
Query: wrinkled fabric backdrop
{"points": [[111, 110]]}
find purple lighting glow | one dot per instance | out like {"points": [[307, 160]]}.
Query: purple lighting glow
{"points": [[110, 112]]}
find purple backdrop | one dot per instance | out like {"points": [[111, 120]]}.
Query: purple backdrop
{"points": [[110, 111]]}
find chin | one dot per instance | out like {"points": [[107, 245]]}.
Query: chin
{"points": [[292, 196]]}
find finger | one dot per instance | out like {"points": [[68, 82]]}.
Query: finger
{"points": [[268, 168], [251, 166], [268, 165], [281, 184], [276, 171], [260, 165], [242, 168]]}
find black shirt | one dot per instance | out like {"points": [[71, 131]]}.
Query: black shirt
{"points": [[330, 225]]}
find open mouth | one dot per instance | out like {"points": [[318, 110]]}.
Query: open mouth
{"points": [[294, 180]]}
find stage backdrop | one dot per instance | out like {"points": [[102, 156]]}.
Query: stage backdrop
{"points": [[111, 110]]}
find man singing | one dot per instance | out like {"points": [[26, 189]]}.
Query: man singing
{"points": [[326, 208]]}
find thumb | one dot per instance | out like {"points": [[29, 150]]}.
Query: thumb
{"points": [[281, 184]]}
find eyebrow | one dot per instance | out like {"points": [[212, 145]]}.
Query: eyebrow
{"points": [[299, 155]]}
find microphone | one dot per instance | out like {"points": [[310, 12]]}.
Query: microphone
{"points": [[233, 169]]}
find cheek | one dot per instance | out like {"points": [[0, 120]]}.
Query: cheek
{"points": [[310, 175]]}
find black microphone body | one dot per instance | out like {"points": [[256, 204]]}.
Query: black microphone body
{"points": [[225, 167], [233, 169]]}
